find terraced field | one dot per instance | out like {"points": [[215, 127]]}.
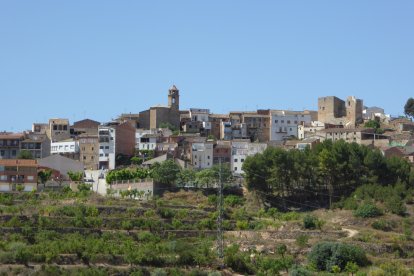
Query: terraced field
{"points": [[68, 233]]}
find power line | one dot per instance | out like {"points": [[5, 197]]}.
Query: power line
{"points": [[220, 207]]}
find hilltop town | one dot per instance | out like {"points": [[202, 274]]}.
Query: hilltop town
{"points": [[187, 192], [194, 138]]}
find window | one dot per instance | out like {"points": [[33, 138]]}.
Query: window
{"points": [[3, 177], [296, 122], [288, 121], [242, 160], [106, 147], [101, 147], [235, 168], [92, 158], [208, 157], [101, 154], [282, 121], [235, 160], [84, 158], [54, 127], [208, 164], [30, 177], [106, 154], [65, 127], [92, 148], [290, 129], [13, 152]]}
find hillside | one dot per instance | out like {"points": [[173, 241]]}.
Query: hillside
{"points": [[70, 233]]}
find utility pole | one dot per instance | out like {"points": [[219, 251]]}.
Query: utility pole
{"points": [[220, 207]]}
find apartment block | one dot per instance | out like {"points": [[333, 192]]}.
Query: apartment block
{"points": [[15, 172], [10, 144]]}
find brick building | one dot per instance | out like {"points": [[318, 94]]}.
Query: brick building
{"points": [[10, 144], [18, 171]]}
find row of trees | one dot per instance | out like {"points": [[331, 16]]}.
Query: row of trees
{"points": [[328, 171], [170, 173]]}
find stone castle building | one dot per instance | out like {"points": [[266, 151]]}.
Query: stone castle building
{"points": [[156, 115], [332, 110]]}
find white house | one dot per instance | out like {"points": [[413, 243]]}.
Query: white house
{"points": [[148, 142], [202, 155], [107, 136], [240, 150], [284, 124], [68, 148]]}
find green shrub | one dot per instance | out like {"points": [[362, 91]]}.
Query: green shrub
{"points": [[350, 203], [395, 205], [302, 240], [238, 261], [289, 216], [367, 210], [300, 271], [312, 222], [83, 187], [384, 225], [326, 255], [242, 224], [212, 199], [165, 213], [233, 200], [272, 212]]}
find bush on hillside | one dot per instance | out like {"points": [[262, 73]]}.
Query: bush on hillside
{"points": [[326, 255], [367, 210]]}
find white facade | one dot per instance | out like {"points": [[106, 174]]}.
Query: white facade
{"points": [[148, 142], [65, 147], [309, 130], [284, 124], [107, 136], [202, 155], [139, 133], [240, 150]]}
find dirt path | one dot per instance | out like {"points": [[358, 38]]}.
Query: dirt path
{"points": [[351, 232]]}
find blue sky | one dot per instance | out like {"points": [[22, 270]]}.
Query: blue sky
{"points": [[97, 59]]}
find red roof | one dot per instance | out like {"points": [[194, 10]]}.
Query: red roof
{"points": [[18, 162]]}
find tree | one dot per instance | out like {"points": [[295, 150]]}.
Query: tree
{"points": [[136, 160], [375, 125], [165, 172], [409, 108], [25, 154], [187, 176], [75, 176], [44, 176]]}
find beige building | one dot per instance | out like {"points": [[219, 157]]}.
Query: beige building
{"points": [[58, 130], [89, 151], [156, 115], [358, 135], [332, 110], [86, 126]]}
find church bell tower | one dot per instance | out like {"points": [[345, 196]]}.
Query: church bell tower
{"points": [[174, 98]]}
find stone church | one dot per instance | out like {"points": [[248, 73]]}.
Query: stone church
{"points": [[156, 115]]}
